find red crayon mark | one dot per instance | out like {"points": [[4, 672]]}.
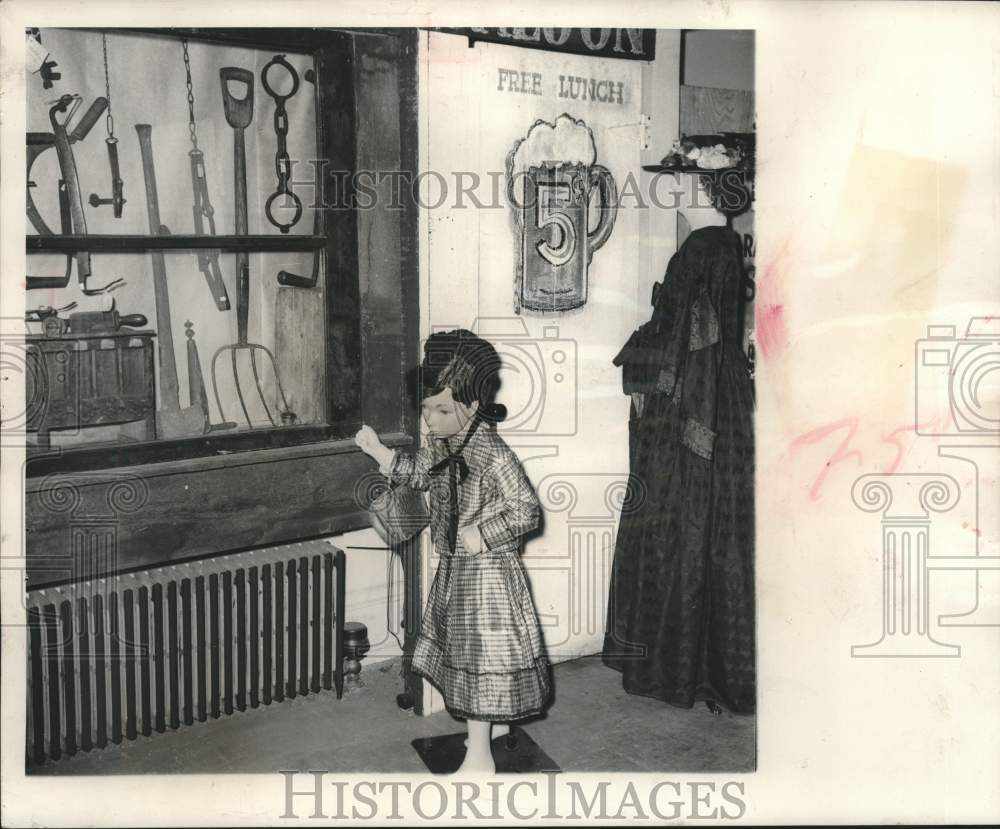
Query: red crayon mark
{"points": [[769, 320], [931, 428], [895, 441], [817, 435], [902, 438]]}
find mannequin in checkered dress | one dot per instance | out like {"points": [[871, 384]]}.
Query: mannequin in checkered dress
{"points": [[480, 641]]}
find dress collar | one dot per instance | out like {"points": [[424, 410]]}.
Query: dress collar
{"points": [[463, 440]]}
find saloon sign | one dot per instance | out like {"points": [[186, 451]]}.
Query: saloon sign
{"points": [[627, 44]]}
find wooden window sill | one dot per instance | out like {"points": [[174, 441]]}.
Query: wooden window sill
{"points": [[221, 460], [90, 524]]}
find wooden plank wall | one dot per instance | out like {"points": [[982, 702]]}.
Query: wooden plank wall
{"points": [[706, 110]]}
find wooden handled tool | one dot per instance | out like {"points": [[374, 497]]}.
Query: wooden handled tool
{"points": [[169, 395], [104, 322], [239, 115], [172, 419], [67, 167]]}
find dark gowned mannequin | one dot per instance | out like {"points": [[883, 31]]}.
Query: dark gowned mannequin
{"points": [[681, 605]]}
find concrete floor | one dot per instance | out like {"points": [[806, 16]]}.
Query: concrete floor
{"points": [[592, 726]]}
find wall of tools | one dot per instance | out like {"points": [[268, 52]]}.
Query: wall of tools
{"points": [[151, 136], [331, 295]]}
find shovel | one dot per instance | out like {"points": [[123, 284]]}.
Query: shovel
{"points": [[239, 114]]}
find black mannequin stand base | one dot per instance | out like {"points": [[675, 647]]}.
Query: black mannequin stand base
{"points": [[514, 753]]}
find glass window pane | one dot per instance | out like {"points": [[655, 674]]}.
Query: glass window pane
{"points": [[105, 375]]}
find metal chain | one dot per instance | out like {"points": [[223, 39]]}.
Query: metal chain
{"points": [[282, 161], [204, 213], [109, 121], [190, 96]]}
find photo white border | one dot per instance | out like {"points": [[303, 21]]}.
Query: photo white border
{"points": [[840, 739]]}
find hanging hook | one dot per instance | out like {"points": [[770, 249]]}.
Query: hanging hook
{"points": [[117, 199]]}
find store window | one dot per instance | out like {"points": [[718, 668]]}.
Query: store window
{"points": [[195, 281], [214, 345]]}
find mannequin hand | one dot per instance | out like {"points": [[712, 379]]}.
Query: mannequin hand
{"points": [[472, 541], [368, 440]]}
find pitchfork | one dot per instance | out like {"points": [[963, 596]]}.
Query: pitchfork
{"points": [[239, 114]]}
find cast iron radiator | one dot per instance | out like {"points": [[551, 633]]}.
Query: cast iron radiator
{"points": [[140, 653]]}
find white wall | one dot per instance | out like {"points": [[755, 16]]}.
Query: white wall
{"points": [[577, 457]]}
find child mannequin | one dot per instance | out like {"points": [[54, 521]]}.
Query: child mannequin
{"points": [[480, 642]]}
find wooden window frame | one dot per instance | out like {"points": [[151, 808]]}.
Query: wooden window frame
{"points": [[222, 493]]}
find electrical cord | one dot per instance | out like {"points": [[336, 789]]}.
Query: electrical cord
{"points": [[388, 597]]}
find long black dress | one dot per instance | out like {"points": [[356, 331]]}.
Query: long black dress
{"points": [[681, 604]]}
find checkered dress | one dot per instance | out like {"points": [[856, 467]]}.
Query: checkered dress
{"points": [[480, 641]]}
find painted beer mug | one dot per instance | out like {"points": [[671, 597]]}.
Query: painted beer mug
{"points": [[556, 241]]}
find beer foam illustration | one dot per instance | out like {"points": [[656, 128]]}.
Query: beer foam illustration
{"points": [[567, 141]]}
